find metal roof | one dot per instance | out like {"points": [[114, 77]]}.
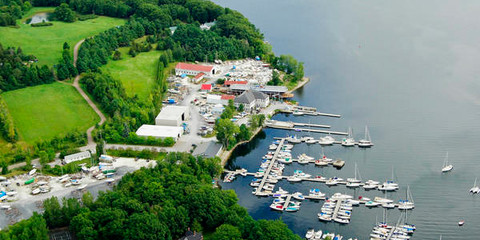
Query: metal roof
{"points": [[171, 112], [159, 131]]}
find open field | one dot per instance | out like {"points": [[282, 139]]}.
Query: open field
{"points": [[46, 111], [46, 42], [136, 74]]}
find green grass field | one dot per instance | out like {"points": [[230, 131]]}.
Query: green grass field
{"points": [[136, 74], [46, 42], [46, 111]]}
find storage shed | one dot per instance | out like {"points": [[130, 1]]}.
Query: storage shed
{"points": [[172, 115]]}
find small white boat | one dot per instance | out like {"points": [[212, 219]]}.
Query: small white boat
{"points": [[310, 234], [11, 193], [293, 139], [82, 187], [461, 223], [327, 140], [41, 183], [382, 200], [325, 217], [354, 182], [366, 142], [318, 235], [298, 113], [3, 197], [68, 184], [408, 203], [294, 179], [447, 167], [388, 205], [298, 196], [272, 147], [331, 182], [341, 220], [33, 171], [2, 178], [276, 207], [321, 163], [311, 141], [353, 202], [5, 207], [35, 191], [110, 180], [372, 204]]}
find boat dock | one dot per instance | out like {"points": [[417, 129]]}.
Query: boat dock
{"points": [[267, 172], [313, 111], [311, 125], [287, 201], [291, 126], [337, 208]]}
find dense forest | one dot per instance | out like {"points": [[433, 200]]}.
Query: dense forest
{"points": [[11, 10], [17, 70], [157, 203]]}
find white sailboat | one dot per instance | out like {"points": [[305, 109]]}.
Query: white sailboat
{"points": [[354, 182], [366, 142], [475, 188], [447, 167], [349, 141], [389, 185], [408, 203]]}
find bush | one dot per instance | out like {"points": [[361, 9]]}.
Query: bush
{"points": [[42, 24], [86, 17]]}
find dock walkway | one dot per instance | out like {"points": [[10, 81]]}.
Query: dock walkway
{"points": [[287, 201], [337, 208], [267, 172]]}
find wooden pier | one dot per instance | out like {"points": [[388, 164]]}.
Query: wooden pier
{"points": [[287, 201], [267, 172], [311, 125], [337, 208]]}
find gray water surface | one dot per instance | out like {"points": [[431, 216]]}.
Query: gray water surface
{"points": [[407, 69]]}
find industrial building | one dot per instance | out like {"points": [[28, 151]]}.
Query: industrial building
{"points": [[160, 131], [172, 116], [76, 157], [194, 69]]}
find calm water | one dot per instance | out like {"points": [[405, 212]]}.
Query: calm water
{"points": [[407, 69]]}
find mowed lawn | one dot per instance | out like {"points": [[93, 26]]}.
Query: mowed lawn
{"points": [[46, 42], [136, 74], [46, 111]]}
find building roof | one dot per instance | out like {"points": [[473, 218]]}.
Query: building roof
{"points": [[246, 98], [227, 97], [229, 82], [159, 131], [259, 95], [199, 75], [171, 112], [272, 89], [241, 87], [206, 87], [194, 67]]}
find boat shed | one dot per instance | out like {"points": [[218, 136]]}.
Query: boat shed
{"points": [[193, 69], [272, 90], [76, 157], [160, 131], [172, 116]]}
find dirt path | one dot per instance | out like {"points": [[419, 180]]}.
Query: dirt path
{"points": [[91, 144]]}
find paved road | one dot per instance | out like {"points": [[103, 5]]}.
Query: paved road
{"points": [[91, 145]]}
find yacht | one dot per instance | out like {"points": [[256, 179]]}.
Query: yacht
{"points": [[408, 203], [366, 142], [294, 179], [447, 167], [272, 147], [276, 207], [310, 234], [321, 163], [331, 182], [318, 235], [372, 204], [311, 141], [327, 140], [348, 141], [340, 220], [293, 139], [298, 196]]}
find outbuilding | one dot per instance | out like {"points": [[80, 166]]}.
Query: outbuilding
{"points": [[160, 131], [172, 115], [76, 157]]}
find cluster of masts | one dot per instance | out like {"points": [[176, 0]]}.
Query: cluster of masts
{"points": [[348, 141]]}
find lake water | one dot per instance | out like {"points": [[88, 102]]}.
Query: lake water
{"points": [[39, 17], [407, 69]]}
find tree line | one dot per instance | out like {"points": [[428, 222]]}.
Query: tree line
{"points": [[159, 203], [11, 10], [17, 70]]}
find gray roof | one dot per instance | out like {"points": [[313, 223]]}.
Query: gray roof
{"points": [[246, 97], [259, 95], [208, 150], [241, 87], [274, 89]]}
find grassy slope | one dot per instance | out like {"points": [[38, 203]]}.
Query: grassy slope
{"points": [[136, 74], [46, 42], [46, 111]]}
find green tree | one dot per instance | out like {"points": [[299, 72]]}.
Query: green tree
{"points": [[117, 55], [43, 157], [226, 131], [64, 13], [241, 107], [227, 231], [4, 166]]}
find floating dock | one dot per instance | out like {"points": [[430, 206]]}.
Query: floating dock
{"points": [[267, 172], [287, 201], [337, 208]]}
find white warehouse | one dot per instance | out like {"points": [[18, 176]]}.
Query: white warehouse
{"points": [[172, 115], [160, 131]]}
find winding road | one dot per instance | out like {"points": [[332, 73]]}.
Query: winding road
{"points": [[91, 145]]}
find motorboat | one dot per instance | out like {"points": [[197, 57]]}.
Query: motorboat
{"points": [[301, 174], [278, 200], [388, 205], [68, 184], [366, 142], [268, 187], [353, 202], [447, 167], [276, 207], [461, 223], [294, 179], [311, 141], [382, 200], [293, 139], [281, 191], [372, 182], [327, 140], [82, 187], [292, 209], [32, 172], [348, 141], [287, 147], [321, 163], [298, 196], [310, 234], [325, 217], [272, 147], [298, 113], [331, 182], [35, 191], [341, 220], [372, 204], [305, 156], [318, 235]]}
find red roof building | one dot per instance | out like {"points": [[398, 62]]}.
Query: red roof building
{"points": [[198, 77], [193, 69], [206, 87], [227, 97], [228, 83]]}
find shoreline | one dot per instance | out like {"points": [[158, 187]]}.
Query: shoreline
{"points": [[226, 154]]}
